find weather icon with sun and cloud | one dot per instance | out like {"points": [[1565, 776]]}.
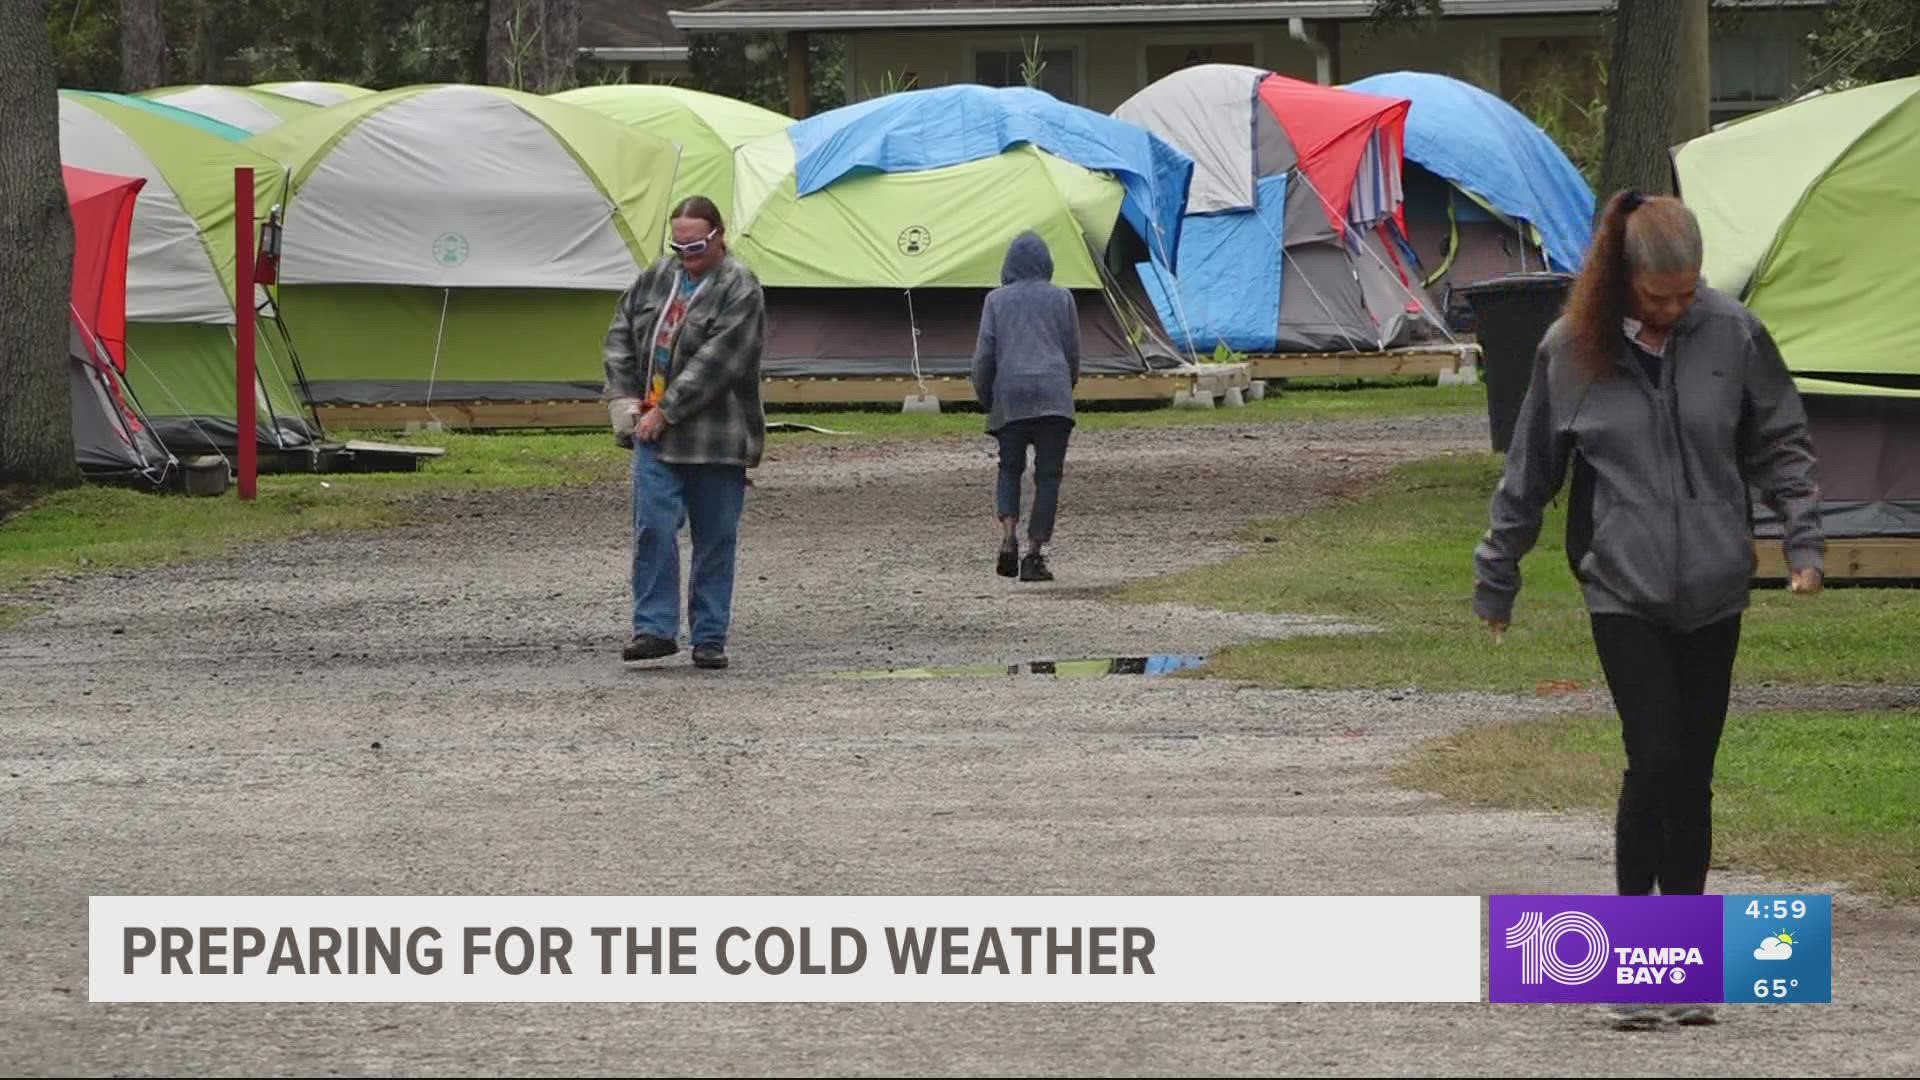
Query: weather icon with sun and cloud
{"points": [[1778, 949], [1775, 947]]}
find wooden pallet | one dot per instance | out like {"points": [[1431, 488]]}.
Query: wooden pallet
{"points": [[1430, 361], [465, 415], [1214, 379], [1864, 559]]}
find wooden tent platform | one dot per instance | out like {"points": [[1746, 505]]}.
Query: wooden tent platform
{"points": [[1425, 360], [1867, 559], [211, 474], [1214, 380]]}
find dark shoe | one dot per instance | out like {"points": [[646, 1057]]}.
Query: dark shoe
{"points": [[1009, 564], [1693, 1015], [645, 647], [1034, 568], [711, 657], [1635, 1017]]}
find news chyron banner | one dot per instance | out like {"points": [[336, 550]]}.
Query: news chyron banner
{"points": [[785, 948], [1543, 949], [1661, 949]]}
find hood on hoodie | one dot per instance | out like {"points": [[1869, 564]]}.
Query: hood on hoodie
{"points": [[1027, 260]]}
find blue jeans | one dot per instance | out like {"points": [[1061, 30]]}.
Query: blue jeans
{"points": [[1047, 435], [708, 498]]}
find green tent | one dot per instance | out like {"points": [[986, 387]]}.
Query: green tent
{"points": [[180, 271], [883, 274], [250, 110], [462, 242], [944, 227], [1809, 213], [707, 128]]}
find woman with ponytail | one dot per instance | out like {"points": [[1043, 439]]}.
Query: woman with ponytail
{"points": [[1667, 400]]}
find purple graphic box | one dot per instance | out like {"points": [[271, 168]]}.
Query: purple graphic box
{"points": [[1607, 949]]}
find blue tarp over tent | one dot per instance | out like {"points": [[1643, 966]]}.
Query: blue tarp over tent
{"points": [[1230, 290], [1486, 146], [950, 125]]}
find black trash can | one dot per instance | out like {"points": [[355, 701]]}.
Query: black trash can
{"points": [[1512, 313]]}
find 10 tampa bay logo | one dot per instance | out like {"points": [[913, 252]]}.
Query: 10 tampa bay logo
{"points": [[1539, 940], [1605, 948]]}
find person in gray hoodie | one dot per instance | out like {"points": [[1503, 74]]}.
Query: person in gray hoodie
{"points": [[1025, 366], [1666, 400]]}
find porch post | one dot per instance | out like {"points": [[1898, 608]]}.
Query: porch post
{"points": [[797, 71]]}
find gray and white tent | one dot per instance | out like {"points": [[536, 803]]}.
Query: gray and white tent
{"points": [[111, 437], [1290, 242]]}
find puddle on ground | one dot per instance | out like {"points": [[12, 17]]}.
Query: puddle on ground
{"points": [[1161, 664]]}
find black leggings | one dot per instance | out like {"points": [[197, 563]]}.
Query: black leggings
{"points": [[1671, 691]]}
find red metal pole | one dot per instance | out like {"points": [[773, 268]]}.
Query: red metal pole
{"points": [[244, 375]]}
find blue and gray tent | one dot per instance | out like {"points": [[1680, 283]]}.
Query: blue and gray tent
{"points": [[1488, 192]]}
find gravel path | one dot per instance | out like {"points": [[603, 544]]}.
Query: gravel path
{"points": [[211, 729]]}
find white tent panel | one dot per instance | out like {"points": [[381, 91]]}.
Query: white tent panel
{"points": [[170, 275], [454, 187], [313, 93], [1205, 111], [225, 105]]}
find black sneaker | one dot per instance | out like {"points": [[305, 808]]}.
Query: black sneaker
{"points": [[1635, 1017], [647, 647], [711, 657], [1034, 568], [1009, 564], [1693, 1015]]}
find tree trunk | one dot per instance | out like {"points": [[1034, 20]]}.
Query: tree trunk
{"points": [[560, 38], [206, 63], [1693, 81], [1641, 82], [36, 400], [143, 46], [502, 66]]}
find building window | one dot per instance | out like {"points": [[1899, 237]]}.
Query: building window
{"points": [[1059, 74], [1751, 71], [1164, 60]]}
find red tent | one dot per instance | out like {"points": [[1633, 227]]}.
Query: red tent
{"points": [[110, 437], [1332, 131], [102, 208]]}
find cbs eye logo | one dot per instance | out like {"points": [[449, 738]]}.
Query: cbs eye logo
{"points": [[915, 240]]}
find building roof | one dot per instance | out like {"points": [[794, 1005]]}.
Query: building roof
{"points": [[878, 14], [628, 30]]}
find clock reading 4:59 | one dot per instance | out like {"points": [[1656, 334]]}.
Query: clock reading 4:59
{"points": [[1779, 949], [1778, 907]]}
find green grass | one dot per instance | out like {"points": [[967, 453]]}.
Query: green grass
{"points": [[1303, 401], [1401, 558], [108, 527], [1814, 796]]}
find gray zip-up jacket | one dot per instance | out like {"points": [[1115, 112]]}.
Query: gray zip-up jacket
{"points": [[1027, 359], [1670, 470]]}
